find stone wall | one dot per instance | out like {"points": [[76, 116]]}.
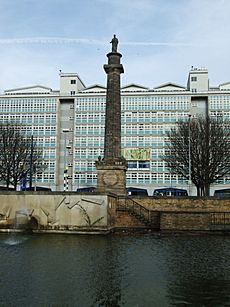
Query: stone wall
{"points": [[125, 220], [57, 211], [184, 221], [69, 211], [187, 204], [182, 214]]}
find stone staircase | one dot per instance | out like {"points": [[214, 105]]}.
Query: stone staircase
{"points": [[147, 218]]}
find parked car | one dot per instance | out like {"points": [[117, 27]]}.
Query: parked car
{"points": [[170, 192], [137, 191]]}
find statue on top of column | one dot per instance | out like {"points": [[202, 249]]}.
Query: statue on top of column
{"points": [[114, 42]]}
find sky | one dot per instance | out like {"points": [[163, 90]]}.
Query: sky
{"points": [[159, 40]]}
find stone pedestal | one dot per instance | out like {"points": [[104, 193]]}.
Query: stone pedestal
{"points": [[111, 177]]}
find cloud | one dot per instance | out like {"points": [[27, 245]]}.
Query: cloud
{"points": [[159, 40]]}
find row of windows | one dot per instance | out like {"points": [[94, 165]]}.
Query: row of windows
{"points": [[88, 151], [126, 129], [91, 103], [96, 130], [132, 117], [143, 129], [138, 164], [85, 142], [158, 167], [146, 142], [184, 100], [137, 103], [84, 165], [45, 177], [219, 106], [28, 101], [47, 108], [220, 113], [145, 178], [29, 118], [45, 142], [42, 102], [154, 114], [219, 97], [90, 117], [154, 176], [160, 98], [24, 105], [39, 130], [93, 153], [49, 153]]}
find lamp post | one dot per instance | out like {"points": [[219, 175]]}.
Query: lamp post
{"points": [[65, 173], [189, 155], [79, 179], [31, 162]]}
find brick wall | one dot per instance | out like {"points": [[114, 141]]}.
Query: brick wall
{"points": [[193, 204], [184, 221], [171, 214], [125, 220]]}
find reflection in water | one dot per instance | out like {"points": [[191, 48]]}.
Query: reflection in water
{"points": [[106, 278], [199, 270], [147, 270]]}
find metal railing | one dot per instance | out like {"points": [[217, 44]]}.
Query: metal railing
{"points": [[220, 221], [134, 208]]}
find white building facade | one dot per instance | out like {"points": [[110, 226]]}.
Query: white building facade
{"points": [[68, 125]]}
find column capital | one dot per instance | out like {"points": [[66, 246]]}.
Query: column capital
{"points": [[113, 67]]}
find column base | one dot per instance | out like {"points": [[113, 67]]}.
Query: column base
{"points": [[111, 178]]}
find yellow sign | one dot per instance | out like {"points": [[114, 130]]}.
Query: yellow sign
{"points": [[136, 154]]}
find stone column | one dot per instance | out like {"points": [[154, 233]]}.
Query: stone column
{"points": [[111, 170]]}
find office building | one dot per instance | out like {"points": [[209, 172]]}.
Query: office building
{"points": [[69, 125]]}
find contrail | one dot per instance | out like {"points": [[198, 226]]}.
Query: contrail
{"points": [[48, 40], [62, 40], [156, 44]]}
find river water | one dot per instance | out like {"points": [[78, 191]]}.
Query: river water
{"points": [[137, 270]]}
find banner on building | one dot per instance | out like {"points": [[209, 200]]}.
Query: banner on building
{"points": [[136, 154]]}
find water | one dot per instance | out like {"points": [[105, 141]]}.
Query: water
{"points": [[137, 270], [21, 218]]}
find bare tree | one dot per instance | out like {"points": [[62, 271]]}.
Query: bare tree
{"points": [[199, 148], [19, 155]]}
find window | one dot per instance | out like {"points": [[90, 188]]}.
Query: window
{"points": [[132, 164], [72, 81], [193, 78], [72, 93], [138, 164], [144, 164]]}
